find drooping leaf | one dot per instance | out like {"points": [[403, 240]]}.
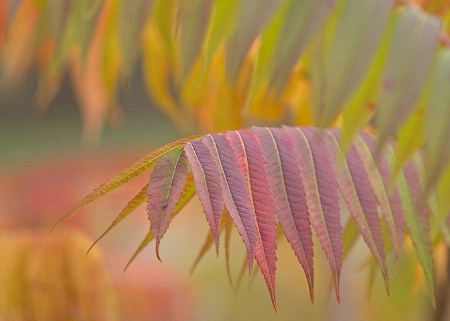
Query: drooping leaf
{"points": [[348, 51], [429, 203], [363, 103], [193, 18], [167, 181], [132, 205], [410, 137], [443, 190], [235, 194], [404, 76], [289, 195], [419, 225], [162, 67], [437, 115], [223, 22], [321, 193], [301, 22], [352, 180], [253, 16], [209, 190], [351, 236], [130, 33], [248, 149], [209, 241], [394, 224], [129, 173], [228, 222], [186, 196], [408, 183], [149, 236], [388, 175]]}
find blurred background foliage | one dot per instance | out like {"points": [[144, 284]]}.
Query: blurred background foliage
{"points": [[155, 70]]}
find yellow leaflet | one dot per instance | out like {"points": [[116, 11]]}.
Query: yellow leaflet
{"points": [[112, 58], [227, 106], [410, 139], [159, 72], [263, 63], [216, 105], [163, 13]]}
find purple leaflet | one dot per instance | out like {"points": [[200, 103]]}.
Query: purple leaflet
{"points": [[209, 190], [394, 198], [358, 195], [289, 195], [246, 146], [235, 193], [321, 193], [165, 188]]}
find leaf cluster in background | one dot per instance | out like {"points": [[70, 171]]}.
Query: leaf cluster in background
{"points": [[39, 285], [214, 65], [299, 179]]}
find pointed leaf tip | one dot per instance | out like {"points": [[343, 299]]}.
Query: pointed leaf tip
{"points": [[288, 194], [321, 194], [235, 193], [209, 190], [165, 189], [250, 156]]}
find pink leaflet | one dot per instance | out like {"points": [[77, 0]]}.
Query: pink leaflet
{"points": [[246, 145], [394, 197], [359, 198], [289, 195], [209, 190], [321, 193], [165, 187], [235, 194]]}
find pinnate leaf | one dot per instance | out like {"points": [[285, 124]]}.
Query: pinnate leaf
{"points": [[247, 177]]}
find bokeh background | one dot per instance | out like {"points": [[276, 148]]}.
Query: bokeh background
{"points": [[47, 165]]}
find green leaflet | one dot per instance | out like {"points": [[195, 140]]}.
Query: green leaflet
{"points": [[137, 201], [437, 115], [222, 23], [362, 105], [346, 52], [404, 76], [253, 17], [193, 17], [128, 174], [418, 235]]}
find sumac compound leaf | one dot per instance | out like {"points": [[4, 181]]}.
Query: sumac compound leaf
{"points": [[251, 178]]}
